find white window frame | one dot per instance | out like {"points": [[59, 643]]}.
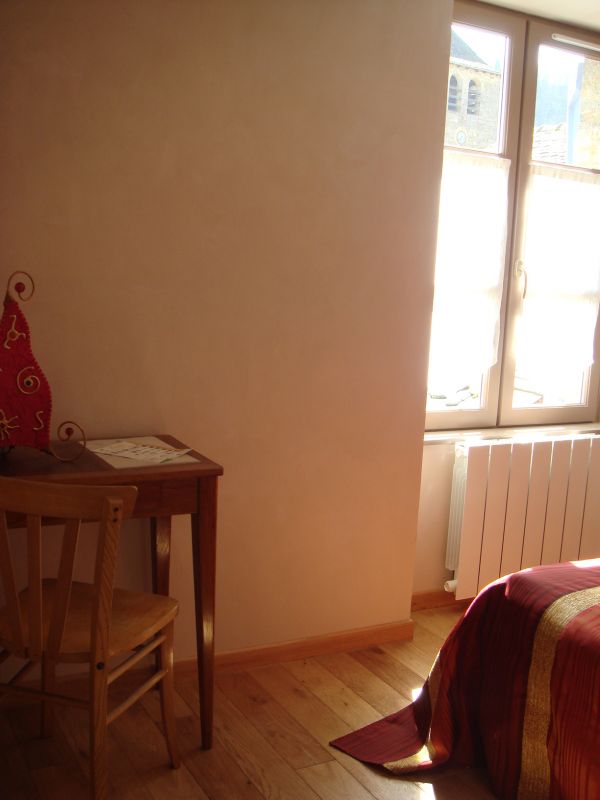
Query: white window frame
{"points": [[540, 33], [524, 36], [514, 27]]}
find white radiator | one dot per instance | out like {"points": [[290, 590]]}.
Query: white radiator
{"points": [[518, 504]]}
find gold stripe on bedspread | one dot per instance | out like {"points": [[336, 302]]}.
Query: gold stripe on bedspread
{"points": [[534, 782]]}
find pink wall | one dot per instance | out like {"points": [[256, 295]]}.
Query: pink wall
{"points": [[229, 209]]}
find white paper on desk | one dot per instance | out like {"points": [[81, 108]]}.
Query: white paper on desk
{"points": [[138, 452]]}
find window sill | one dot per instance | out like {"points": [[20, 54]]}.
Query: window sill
{"points": [[529, 432]]}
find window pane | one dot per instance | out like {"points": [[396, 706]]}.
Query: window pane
{"points": [[567, 109], [554, 344], [468, 279], [475, 89]]}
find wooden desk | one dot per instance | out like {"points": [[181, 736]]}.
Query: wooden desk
{"points": [[163, 490]]}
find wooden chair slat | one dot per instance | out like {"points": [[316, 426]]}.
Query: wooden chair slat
{"points": [[78, 627], [9, 587], [137, 656], [104, 579], [61, 501], [34, 595], [63, 587], [135, 695]]}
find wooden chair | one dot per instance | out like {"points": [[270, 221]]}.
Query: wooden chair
{"points": [[54, 620]]}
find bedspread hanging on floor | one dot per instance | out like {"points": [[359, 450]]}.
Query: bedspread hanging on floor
{"points": [[515, 687]]}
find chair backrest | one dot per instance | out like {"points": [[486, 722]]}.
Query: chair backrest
{"points": [[70, 505]]}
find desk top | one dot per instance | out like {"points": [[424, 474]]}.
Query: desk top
{"points": [[25, 462]]}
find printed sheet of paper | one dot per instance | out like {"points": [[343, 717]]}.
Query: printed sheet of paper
{"points": [[145, 450]]}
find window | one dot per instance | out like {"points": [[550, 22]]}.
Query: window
{"points": [[473, 98], [517, 280], [452, 94]]}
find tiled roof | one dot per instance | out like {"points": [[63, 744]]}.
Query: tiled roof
{"points": [[460, 49]]}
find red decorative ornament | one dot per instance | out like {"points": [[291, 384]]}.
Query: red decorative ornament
{"points": [[25, 396]]}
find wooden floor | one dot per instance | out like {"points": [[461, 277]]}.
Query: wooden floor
{"points": [[272, 728]]}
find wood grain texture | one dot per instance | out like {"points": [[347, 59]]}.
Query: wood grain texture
{"points": [[56, 620], [273, 725], [123, 778], [333, 692], [160, 531], [293, 742], [167, 695], [215, 771], [9, 588], [269, 772], [401, 678], [162, 490], [57, 612], [364, 683], [91, 469], [332, 782], [34, 568], [340, 642], [435, 599], [204, 549], [409, 655]]}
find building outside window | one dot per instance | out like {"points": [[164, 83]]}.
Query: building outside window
{"points": [[473, 98], [453, 93]]}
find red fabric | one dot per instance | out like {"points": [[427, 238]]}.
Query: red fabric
{"points": [[574, 738], [477, 716], [25, 397]]}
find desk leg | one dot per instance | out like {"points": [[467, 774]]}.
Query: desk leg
{"points": [[204, 525], [160, 529], [160, 534]]}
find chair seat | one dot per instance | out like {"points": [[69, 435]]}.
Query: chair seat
{"points": [[136, 616]]}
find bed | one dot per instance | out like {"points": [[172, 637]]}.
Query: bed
{"points": [[515, 688]]}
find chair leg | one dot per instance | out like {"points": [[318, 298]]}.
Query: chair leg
{"points": [[167, 696], [98, 733], [48, 682]]}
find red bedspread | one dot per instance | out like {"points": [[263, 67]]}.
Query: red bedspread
{"points": [[516, 688]]}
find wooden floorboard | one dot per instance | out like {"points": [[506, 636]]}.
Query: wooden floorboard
{"points": [[273, 725]]}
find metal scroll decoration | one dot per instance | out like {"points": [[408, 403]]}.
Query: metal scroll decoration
{"points": [[25, 395]]}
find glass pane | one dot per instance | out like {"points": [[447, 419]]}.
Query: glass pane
{"points": [[554, 345], [475, 88], [468, 279], [567, 109]]}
